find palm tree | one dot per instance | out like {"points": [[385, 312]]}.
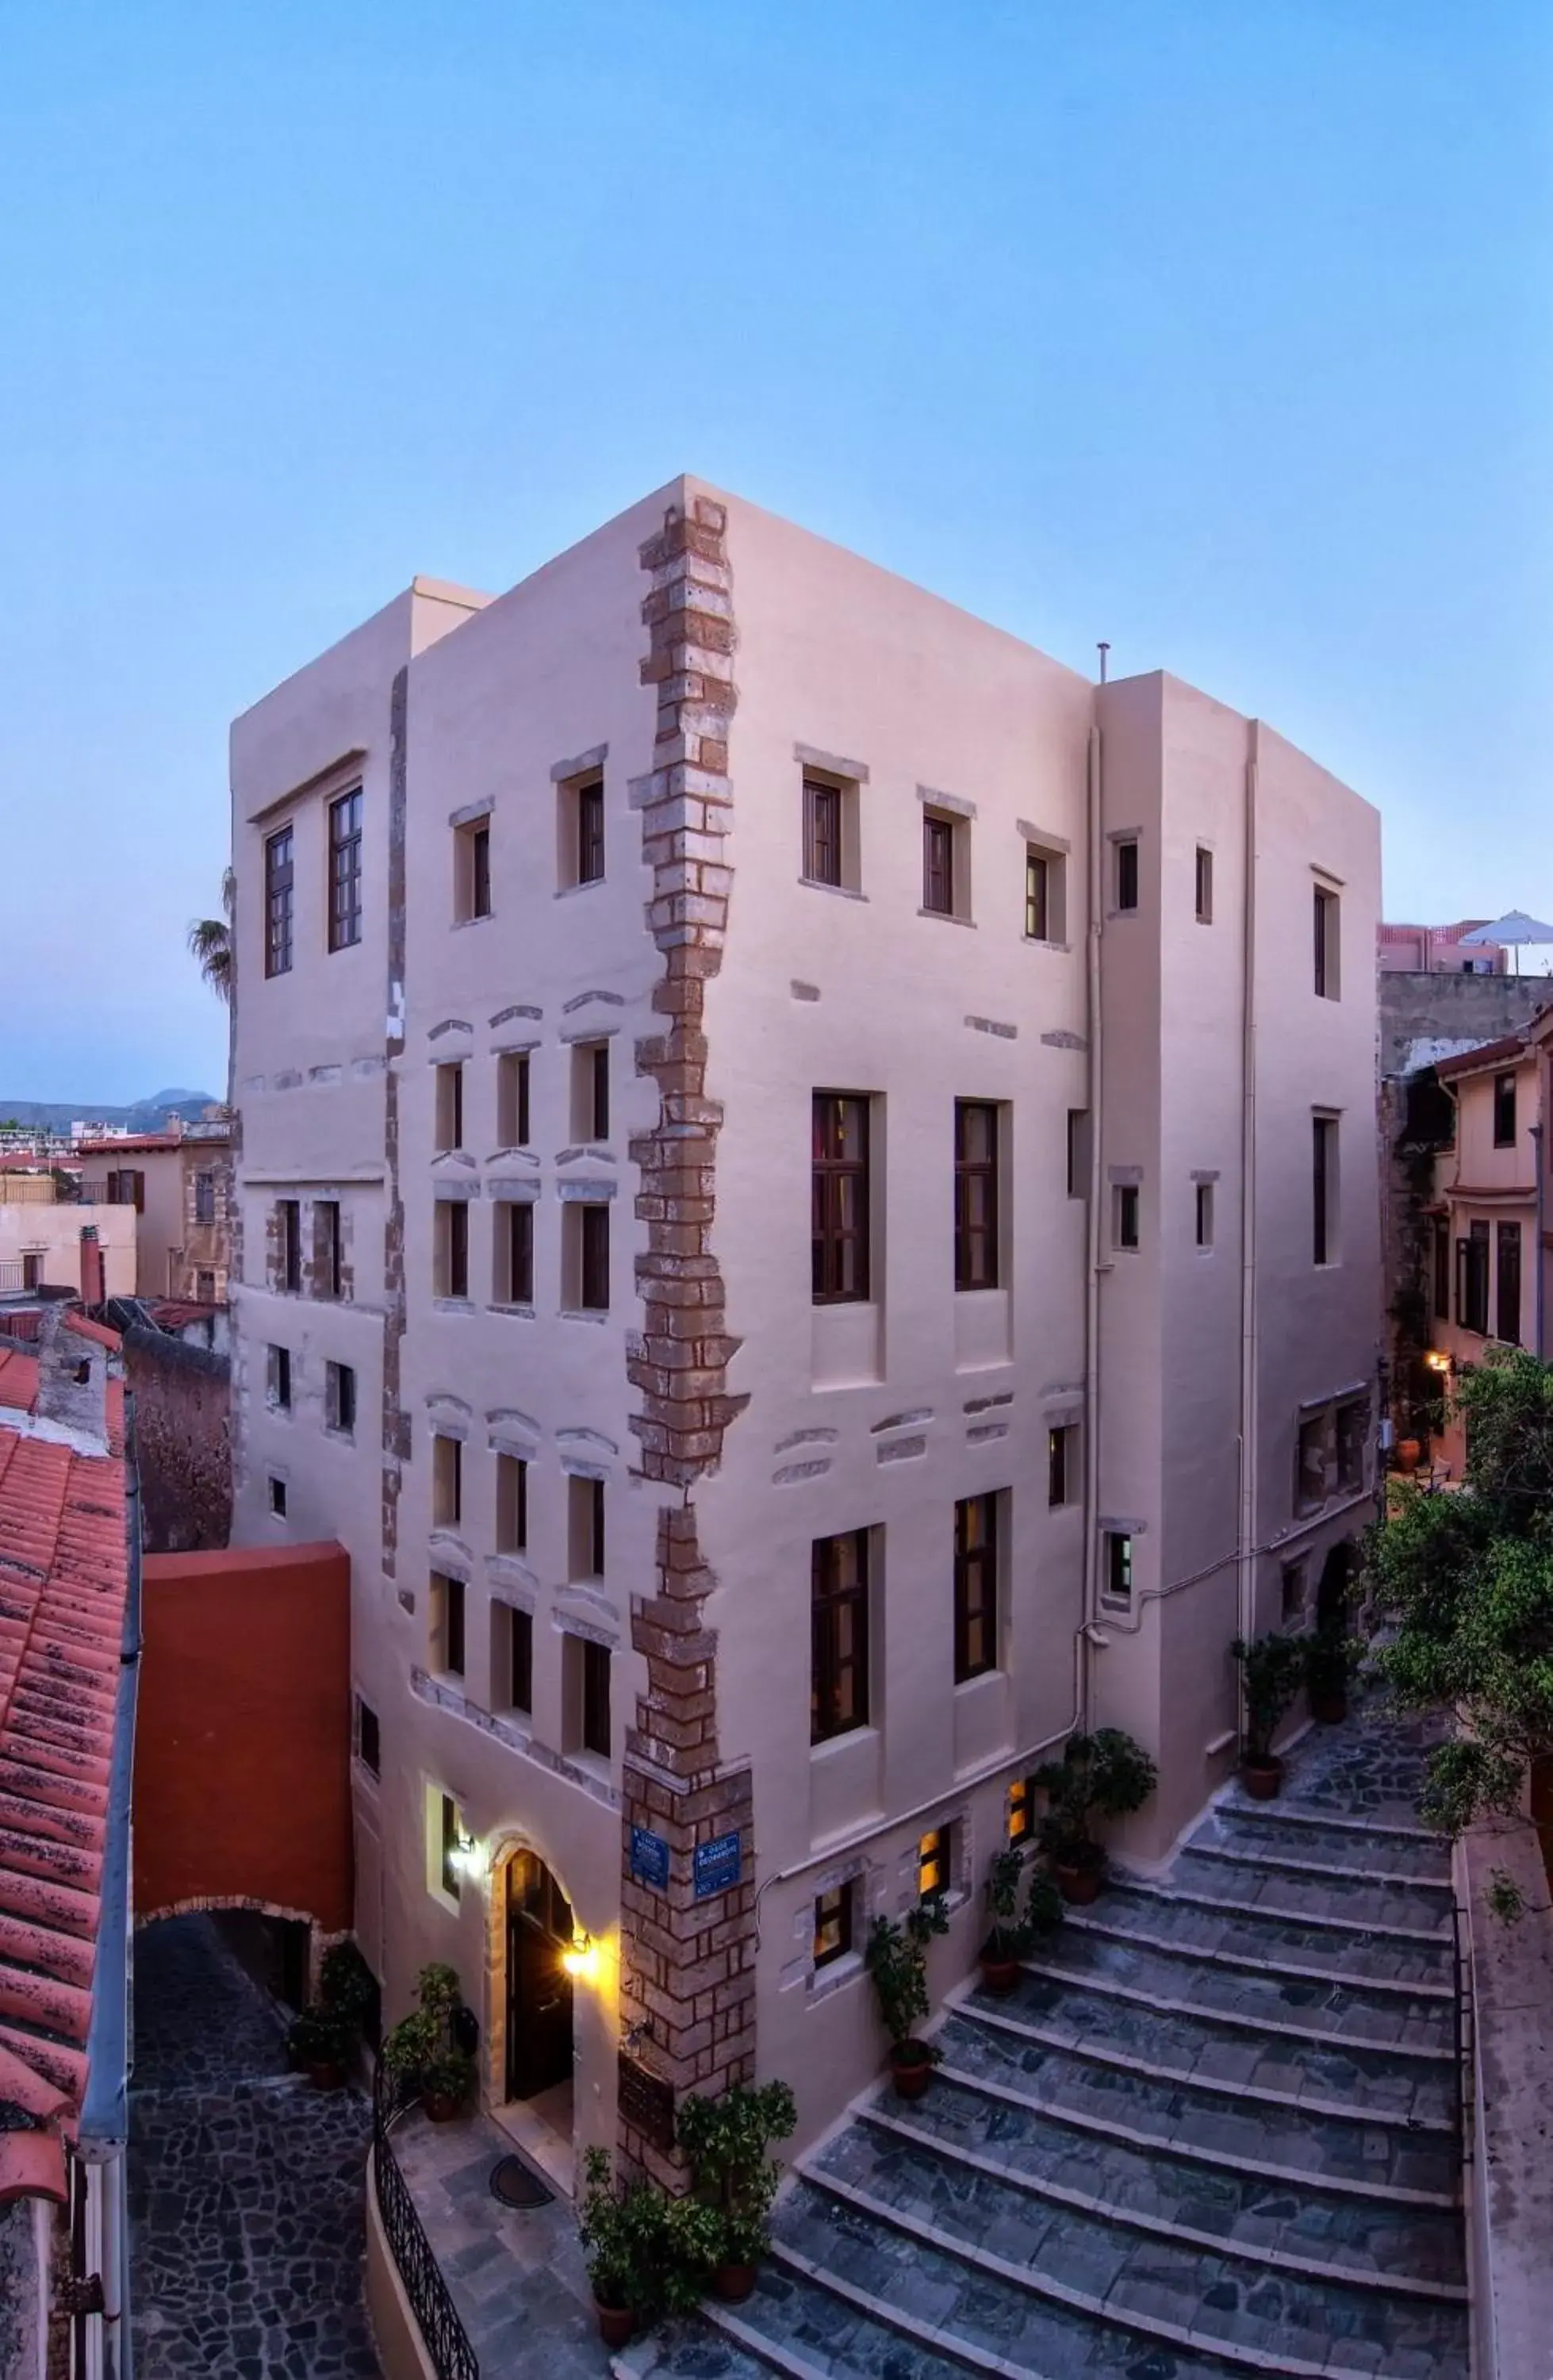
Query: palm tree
{"points": [[210, 940]]}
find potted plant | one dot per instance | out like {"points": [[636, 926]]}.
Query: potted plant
{"points": [[424, 2052], [1332, 1655], [896, 1958], [346, 1984], [609, 2240], [1272, 1672], [319, 2042], [1044, 1907], [1102, 1775], [445, 2083], [1008, 1935], [725, 2141], [647, 2255]]}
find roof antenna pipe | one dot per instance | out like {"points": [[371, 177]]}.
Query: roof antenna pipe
{"points": [[1102, 648]]}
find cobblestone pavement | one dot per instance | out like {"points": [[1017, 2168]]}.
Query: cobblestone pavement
{"points": [[246, 2186]]}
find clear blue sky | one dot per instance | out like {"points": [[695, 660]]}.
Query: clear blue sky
{"points": [[1218, 328]]}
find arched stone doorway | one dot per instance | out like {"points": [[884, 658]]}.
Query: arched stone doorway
{"points": [[532, 2072]]}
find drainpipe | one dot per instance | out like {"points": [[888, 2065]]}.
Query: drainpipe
{"points": [[1540, 1287], [1246, 1564], [1096, 1091]]}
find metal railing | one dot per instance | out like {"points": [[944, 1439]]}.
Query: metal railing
{"points": [[1466, 2042], [446, 2340]]}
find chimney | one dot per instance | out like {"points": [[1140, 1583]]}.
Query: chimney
{"points": [[72, 1375], [91, 1266]]}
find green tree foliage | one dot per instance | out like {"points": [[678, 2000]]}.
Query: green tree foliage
{"points": [[1468, 1579]]}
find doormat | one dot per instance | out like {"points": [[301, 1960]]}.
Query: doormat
{"points": [[517, 2184]]}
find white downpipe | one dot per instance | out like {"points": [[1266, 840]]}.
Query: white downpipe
{"points": [[1247, 1551], [1096, 1037]]}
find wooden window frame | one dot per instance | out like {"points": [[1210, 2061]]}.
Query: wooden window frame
{"points": [[279, 900], [935, 1862], [328, 1249], [837, 1249], [822, 833], [591, 831], [512, 1098], [512, 1540], [976, 1595], [448, 1092], [938, 859], [451, 1249], [290, 1266], [339, 1402], [839, 1682], [513, 1253], [977, 1255], [834, 1925], [345, 870], [593, 1257]]}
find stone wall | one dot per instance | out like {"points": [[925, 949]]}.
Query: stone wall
{"points": [[688, 1965], [183, 1424], [1463, 1009]]}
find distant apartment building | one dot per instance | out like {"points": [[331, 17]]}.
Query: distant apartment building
{"points": [[807, 1210], [179, 1185], [50, 1238], [1437, 949]]}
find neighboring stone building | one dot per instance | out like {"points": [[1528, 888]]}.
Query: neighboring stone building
{"points": [[179, 1184], [49, 1240], [775, 1319]]}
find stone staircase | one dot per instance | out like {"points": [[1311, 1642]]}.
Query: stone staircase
{"points": [[1214, 2132]]}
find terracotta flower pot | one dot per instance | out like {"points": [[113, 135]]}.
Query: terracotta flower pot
{"points": [[441, 2108], [1328, 1709], [1078, 1884], [1262, 1779], [617, 2325], [910, 2073], [325, 2074], [998, 1976], [1408, 1453], [733, 2283]]}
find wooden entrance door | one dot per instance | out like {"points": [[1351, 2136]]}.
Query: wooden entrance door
{"points": [[538, 1989]]}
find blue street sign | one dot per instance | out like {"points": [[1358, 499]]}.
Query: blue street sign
{"points": [[716, 1866], [650, 1858]]}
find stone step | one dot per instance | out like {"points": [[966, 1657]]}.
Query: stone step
{"points": [[1218, 2206], [689, 2350], [979, 2258], [1333, 2076], [1180, 1926], [1269, 1833], [1301, 1889], [1370, 1771], [1257, 1993], [1434, 1945]]}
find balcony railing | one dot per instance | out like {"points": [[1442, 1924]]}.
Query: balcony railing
{"points": [[446, 2340]]}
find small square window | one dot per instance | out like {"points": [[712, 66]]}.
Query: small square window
{"points": [[512, 1098], [1292, 1594], [1124, 1214], [450, 1272], [1117, 1574], [471, 870], [1062, 1465], [279, 1366], [339, 1395], [1124, 864], [1205, 885], [277, 1498], [934, 1868], [369, 1746], [512, 1223], [447, 1482], [1045, 895], [1204, 1203], [585, 1528], [832, 1925], [512, 1504], [450, 1108], [447, 1625]]}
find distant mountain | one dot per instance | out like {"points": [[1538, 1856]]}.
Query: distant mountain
{"points": [[141, 1115]]}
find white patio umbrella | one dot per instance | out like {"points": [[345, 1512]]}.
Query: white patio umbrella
{"points": [[1511, 932]]}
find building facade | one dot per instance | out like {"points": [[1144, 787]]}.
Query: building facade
{"points": [[179, 1184], [807, 1209]]}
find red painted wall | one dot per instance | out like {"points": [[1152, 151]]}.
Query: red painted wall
{"points": [[242, 1741]]}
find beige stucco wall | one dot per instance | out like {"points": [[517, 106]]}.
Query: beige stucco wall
{"points": [[52, 1234]]}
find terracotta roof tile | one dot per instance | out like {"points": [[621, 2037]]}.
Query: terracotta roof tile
{"points": [[84, 1328], [19, 1380]]}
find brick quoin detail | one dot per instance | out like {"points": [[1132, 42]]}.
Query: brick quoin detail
{"points": [[687, 1968]]}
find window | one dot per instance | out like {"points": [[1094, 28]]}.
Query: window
{"points": [[934, 1863], [585, 1528], [279, 1383], [450, 1107], [288, 1227], [1204, 1214], [1326, 943], [279, 894], [451, 1836], [512, 1504], [277, 1498], [839, 1197], [451, 1249], [591, 831], [590, 1091], [1504, 1111], [1078, 1152], [512, 1657], [204, 1198], [327, 1275], [595, 1698], [592, 1229], [126, 1187], [471, 870], [1021, 1823], [1062, 1465], [1310, 1475], [1124, 865], [938, 865], [512, 1098], [345, 870], [1205, 885], [447, 1625], [31, 1270], [1292, 1594], [1472, 1279], [339, 1398], [1353, 1432], [1124, 1214], [976, 1194], [832, 1925], [1116, 1577], [513, 1251], [204, 1287], [1045, 896], [976, 1588], [369, 1743], [839, 1674], [1507, 1321], [1442, 1270], [822, 833], [1324, 1186], [447, 1482]]}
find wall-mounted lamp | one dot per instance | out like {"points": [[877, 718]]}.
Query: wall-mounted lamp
{"points": [[581, 1962], [1436, 1361], [466, 1856]]}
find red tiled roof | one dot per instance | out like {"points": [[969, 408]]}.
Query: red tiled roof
{"points": [[84, 1328], [19, 1380], [64, 1581], [174, 1312], [131, 1144], [1489, 1054]]}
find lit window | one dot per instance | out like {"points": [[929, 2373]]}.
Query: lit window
{"points": [[832, 1925], [933, 1861]]}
